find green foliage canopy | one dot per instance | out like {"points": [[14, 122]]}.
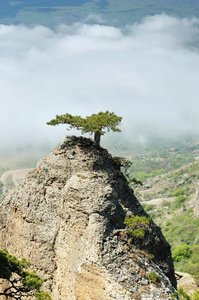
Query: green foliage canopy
{"points": [[181, 252], [96, 123]]}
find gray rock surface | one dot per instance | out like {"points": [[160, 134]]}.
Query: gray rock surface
{"points": [[187, 282], [66, 218]]}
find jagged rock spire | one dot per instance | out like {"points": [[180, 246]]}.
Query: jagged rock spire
{"points": [[67, 216]]}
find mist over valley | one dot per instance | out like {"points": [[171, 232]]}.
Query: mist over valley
{"points": [[146, 72]]}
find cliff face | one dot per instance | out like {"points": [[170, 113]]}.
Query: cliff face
{"points": [[66, 218]]}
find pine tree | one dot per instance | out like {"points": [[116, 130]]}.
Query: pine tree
{"points": [[96, 123], [21, 282]]}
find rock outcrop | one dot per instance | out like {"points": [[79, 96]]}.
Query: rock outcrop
{"points": [[187, 282], [66, 218]]}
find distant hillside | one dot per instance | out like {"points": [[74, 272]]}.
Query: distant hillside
{"points": [[114, 12], [170, 196]]}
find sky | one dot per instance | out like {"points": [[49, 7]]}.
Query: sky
{"points": [[147, 72]]}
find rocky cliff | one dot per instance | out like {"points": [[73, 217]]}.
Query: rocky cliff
{"points": [[66, 218]]}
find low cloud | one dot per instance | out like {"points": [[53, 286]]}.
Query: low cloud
{"points": [[147, 73]]}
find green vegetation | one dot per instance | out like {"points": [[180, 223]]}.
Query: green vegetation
{"points": [[176, 204], [125, 165], [192, 265], [143, 175], [24, 283], [174, 296], [182, 229], [195, 295], [136, 226], [96, 123], [148, 207], [181, 252], [154, 278], [179, 192], [152, 162], [183, 294], [42, 296], [171, 177]]}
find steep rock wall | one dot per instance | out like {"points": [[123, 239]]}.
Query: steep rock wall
{"points": [[65, 218]]}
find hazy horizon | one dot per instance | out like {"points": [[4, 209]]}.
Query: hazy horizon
{"points": [[146, 72]]}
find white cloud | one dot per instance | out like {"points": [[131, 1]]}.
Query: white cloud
{"points": [[147, 73]]}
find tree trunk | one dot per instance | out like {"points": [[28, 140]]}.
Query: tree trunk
{"points": [[97, 140]]}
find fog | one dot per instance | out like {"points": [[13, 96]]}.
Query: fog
{"points": [[147, 73]]}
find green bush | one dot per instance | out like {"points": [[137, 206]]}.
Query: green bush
{"points": [[149, 207], [42, 296], [181, 198], [178, 202], [174, 296], [181, 252], [137, 233], [183, 294], [154, 278], [136, 226], [179, 192], [195, 295], [32, 281]]}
